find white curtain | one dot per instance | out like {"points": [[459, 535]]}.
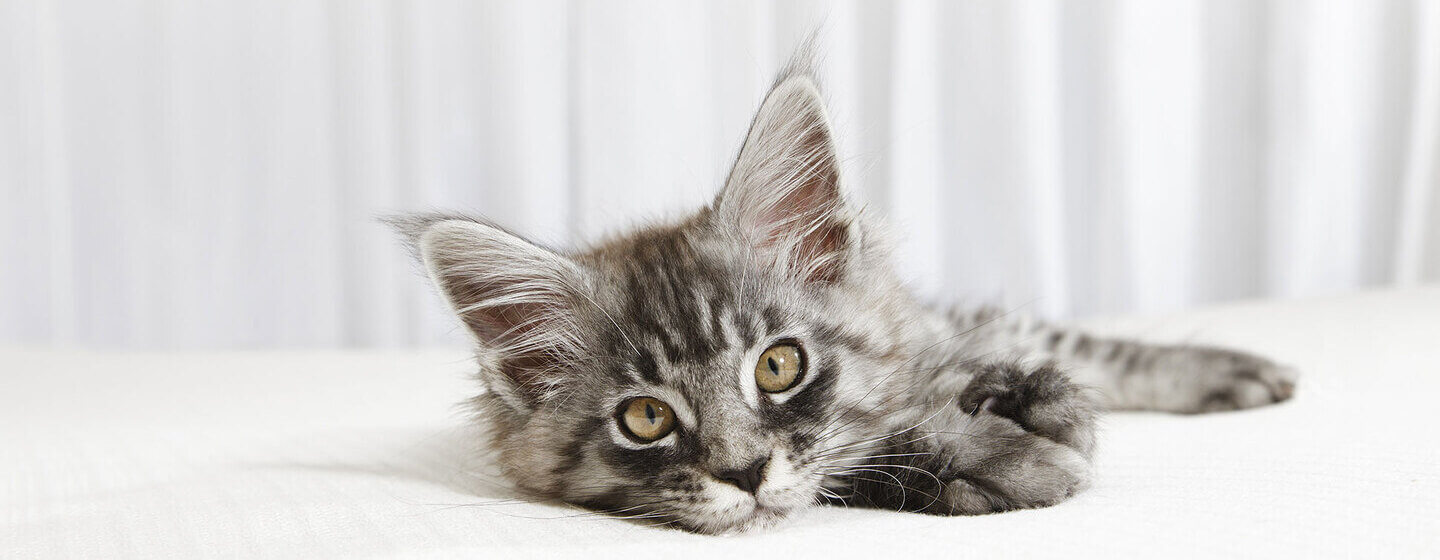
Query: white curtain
{"points": [[181, 174]]}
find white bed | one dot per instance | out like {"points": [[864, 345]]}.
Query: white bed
{"points": [[356, 454]]}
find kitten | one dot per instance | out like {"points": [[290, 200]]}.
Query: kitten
{"points": [[760, 356]]}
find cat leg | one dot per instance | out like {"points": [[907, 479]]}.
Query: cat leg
{"points": [[1134, 375], [1173, 378], [1015, 438]]}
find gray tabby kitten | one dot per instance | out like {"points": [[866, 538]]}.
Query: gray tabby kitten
{"points": [[760, 356]]}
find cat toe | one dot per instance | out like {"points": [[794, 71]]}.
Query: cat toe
{"points": [[1283, 387], [1277, 381], [1042, 400], [1252, 387], [1033, 473]]}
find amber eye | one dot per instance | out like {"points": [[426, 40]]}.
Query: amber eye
{"points": [[779, 368], [646, 418]]}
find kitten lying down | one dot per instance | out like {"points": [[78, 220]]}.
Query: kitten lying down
{"points": [[760, 356]]}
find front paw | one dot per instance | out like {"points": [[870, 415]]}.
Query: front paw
{"points": [[1020, 438], [1042, 400], [1003, 468]]}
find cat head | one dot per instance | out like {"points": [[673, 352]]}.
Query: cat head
{"points": [[694, 373]]}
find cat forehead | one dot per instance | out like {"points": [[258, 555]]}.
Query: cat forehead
{"points": [[667, 289], [687, 305], [707, 355]]}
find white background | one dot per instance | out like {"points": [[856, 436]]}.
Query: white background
{"points": [[179, 174]]}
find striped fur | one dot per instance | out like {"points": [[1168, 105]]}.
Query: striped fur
{"points": [[900, 406]]}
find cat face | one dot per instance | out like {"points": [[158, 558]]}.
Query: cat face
{"points": [[711, 410], [702, 373]]}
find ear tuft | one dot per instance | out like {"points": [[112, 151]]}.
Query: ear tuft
{"points": [[517, 298], [784, 193]]}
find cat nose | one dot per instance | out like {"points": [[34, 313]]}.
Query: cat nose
{"points": [[748, 478]]}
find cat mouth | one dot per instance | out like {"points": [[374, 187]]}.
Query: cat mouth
{"points": [[766, 515], [758, 517]]}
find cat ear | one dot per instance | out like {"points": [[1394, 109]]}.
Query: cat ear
{"points": [[516, 297], [784, 192]]}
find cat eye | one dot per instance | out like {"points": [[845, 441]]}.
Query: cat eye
{"points": [[646, 419], [780, 368]]}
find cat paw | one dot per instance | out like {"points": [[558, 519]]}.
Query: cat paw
{"points": [[1043, 401], [1020, 438], [1249, 387], [1221, 380], [1012, 469]]}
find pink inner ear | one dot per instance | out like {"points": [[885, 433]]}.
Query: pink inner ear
{"points": [[502, 325], [823, 250], [809, 225], [511, 308], [806, 217], [509, 326]]}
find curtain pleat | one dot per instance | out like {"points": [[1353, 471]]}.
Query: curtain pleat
{"points": [[207, 175]]}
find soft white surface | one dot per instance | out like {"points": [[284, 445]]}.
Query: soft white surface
{"points": [[355, 454]]}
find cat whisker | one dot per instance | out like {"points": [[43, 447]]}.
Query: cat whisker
{"points": [[901, 486], [838, 432], [592, 513], [828, 494], [899, 432], [932, 476], [886, 456], [841, 450]]}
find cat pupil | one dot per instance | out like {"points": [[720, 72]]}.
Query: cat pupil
{"points": [[650, 413], [773, 368]]}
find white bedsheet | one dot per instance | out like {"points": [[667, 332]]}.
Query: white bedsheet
{"points": [[356, 454]]}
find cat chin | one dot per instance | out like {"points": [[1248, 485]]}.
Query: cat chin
{"points": [[755, 517], [761, 518]]}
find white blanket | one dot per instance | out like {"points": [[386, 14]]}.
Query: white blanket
{"points": [[357, 454]]}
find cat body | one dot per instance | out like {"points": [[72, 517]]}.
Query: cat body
{"points": [[760, 356]]}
